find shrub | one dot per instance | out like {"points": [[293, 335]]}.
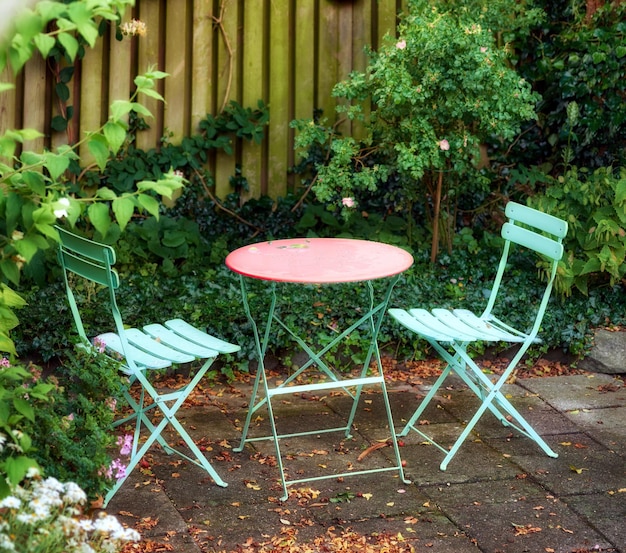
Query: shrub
{"points": [[45, 516]]}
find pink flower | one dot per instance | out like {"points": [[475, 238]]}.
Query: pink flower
{"points": [[4, 362], [119, 468], [483, 49], [401, 44], [125, 443], [348, 202], [99, 344], [444, 145]]}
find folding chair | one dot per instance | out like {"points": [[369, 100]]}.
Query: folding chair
{"points": [[456, 329], [141, 351]]}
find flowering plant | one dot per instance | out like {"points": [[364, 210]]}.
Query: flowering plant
{"points": [[62, 423], [428, 102], [46, 516], [19, 399]]}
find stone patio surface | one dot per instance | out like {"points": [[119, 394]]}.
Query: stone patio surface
{"points": [[500, 493]]}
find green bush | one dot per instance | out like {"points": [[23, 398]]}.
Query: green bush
{"points": [[594, 205], [572, 57]]}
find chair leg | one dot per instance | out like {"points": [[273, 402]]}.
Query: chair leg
{"points": [[488, 392], [169, 417]]}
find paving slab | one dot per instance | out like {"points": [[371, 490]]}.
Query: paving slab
{"points": [[500, 493]]}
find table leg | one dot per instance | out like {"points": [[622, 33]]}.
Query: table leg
{"points": [[374, 318]]}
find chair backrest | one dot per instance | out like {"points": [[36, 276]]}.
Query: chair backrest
{"points": [[536, 231], [94, 262]]}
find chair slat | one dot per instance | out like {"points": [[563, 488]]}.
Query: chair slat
{"points": [[150, 345], [449, 319], [176, 341], [87, 248], [193, 334], [86, 269], [537, 219], [532, 240], [113, 342], [488, 330], [430, 321], [410, 322]]}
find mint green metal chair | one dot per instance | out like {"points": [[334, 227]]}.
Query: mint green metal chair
{"points": [[156, 346], [450, 332]]}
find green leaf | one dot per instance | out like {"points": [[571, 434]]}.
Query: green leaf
{"points": [[35, 181], [80, 14], [141, 109], [26, 247], [70, 44], [106, 193], [10, 297], [6, 344], [166, 187], [620, 191], [56, 164], [46, 230], [120, 108], [151, 92], [10, 271], [123, 208], [24, 408], [99, 148], [150, 204], [44, 44], [99, 216], [58, 123], [17, 467], [115, 133]]}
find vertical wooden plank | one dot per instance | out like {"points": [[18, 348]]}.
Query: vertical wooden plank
{"points": [[278, 131], [252, 89], [226, 76], [387, 14], [91, 97], [33, 116], [304, 59], [148, 56], [120, 67], [177, 109], [7, 107], [327, 55], [201, 61], [344, 55], [362, 38]]}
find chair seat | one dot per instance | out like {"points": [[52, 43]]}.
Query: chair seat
{"points": [[113, 343], [461, 325]]}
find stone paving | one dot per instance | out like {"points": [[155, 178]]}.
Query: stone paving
{"points": [[499, 494]]}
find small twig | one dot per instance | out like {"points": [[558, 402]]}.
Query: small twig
{"points": [[221, 206], [304, 195], [219, 21]]}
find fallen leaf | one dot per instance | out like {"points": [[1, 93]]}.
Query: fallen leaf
{"points": [[521, 530]]}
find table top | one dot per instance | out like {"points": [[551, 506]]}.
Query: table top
{"points": [[319, 260]]}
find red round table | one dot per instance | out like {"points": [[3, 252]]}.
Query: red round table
{"points": [[318, 261]]}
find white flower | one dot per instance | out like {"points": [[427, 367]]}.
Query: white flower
{"points": [[74, 494], [6, 543], [62, 205], [10, 502], [106, 524], [33, 472]]}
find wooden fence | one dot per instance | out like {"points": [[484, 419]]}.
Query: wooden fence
{"points": [[289, 53]]}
